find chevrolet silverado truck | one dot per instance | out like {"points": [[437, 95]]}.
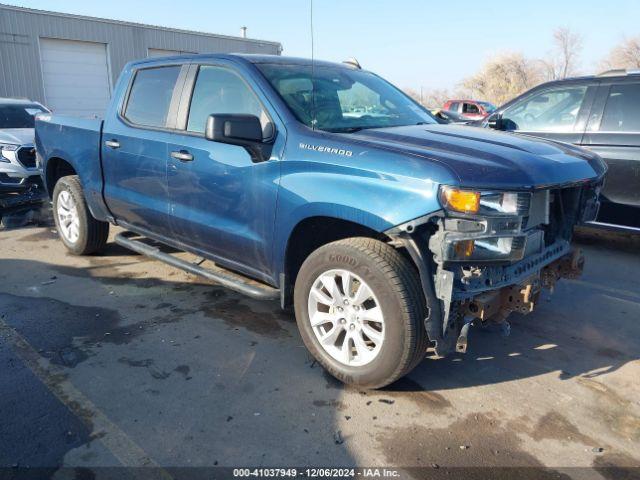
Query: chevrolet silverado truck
{"points": [[390, 234]]}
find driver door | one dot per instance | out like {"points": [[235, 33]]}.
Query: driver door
{"points": [[559, 113]]}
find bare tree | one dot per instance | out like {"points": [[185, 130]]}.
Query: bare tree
{"points": [[503, 77], [625, 55], [431, 98], [563, 61]]}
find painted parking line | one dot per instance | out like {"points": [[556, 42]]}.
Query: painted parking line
{"points": [[121, 446]]}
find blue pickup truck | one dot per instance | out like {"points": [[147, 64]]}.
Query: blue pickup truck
{"points": [[324, 186]]}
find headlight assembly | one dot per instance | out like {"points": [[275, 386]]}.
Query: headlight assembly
{"points": [[473, 202], [7, 147], [486, 249]]}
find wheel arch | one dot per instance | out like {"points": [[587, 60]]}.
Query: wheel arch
{"points": [[56, 168], [310, 234]]}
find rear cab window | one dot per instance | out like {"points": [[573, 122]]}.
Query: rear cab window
{"points": [[150, 96], [470, 108]]}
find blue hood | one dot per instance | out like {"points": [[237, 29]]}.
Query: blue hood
{"points": [[490, 159]]}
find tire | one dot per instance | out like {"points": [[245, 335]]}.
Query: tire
{"points": [[401, 339], [88, 235]]}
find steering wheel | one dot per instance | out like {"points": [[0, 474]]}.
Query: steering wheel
{"points": [[529, 118]]}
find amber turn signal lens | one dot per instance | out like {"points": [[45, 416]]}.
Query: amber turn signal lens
{"points": [[464, 201], [464, 248]]}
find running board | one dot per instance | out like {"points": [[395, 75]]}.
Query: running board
{"points": [[226, 278]]}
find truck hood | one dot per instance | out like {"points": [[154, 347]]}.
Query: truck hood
{"points": [[486, 158], [17, 136]]}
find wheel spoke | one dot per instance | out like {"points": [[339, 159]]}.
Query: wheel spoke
{"points": [[321, 297], [329, 338], [320, 318], [62, 200], [330, 284], [347, 280], [345, 349], [372, 315], [361, 347], [362, 295], [372, 334]]}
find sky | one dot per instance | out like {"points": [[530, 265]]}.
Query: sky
{"points": [[412, 43]]}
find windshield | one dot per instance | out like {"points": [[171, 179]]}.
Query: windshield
{"points": [[345, 100], [489, 107], [19, 115]]}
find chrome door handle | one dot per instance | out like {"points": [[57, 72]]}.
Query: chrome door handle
{"points": [[112, 143], [182, 155]]}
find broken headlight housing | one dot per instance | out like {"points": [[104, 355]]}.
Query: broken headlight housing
{"points": [[483, 249], [483, 225]]}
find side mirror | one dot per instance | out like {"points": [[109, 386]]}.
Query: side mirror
{"points": [[494, 121], [238, 129], [233, 128]]}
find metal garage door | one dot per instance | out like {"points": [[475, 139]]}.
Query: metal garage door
{"points": [[76, 77]]}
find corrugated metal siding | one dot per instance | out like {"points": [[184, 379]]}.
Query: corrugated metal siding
{"points": [[21, 29]]}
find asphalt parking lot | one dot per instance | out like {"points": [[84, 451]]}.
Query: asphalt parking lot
{"points": [[118, 360]]}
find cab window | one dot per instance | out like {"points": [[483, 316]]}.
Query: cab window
{"points": [[150, 96], [220, 90], [470, 108], [622, 110], [549, 111]]}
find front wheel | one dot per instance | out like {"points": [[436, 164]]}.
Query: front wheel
{"points": [[360, 311], [79, 231]]}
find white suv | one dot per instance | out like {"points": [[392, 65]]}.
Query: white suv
{"points": [[18, 167]]}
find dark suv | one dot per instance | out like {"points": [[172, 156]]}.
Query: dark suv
{"points": [[601, 113]]}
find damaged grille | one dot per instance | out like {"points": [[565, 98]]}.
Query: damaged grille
{"points": [[564, 209], [27, 157]]}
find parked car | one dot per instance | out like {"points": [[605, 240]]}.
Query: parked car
{"points": [[600, 113], [445, 116], [469, 109], [18, 170], [388, 234]]}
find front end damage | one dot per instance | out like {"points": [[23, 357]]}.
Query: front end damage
{"points": [[482, 266]]}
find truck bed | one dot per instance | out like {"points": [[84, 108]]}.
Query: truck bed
{"points": [[77, 141]]}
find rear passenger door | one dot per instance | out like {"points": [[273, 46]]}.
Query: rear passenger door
{"points": [[613, 132], [134, 149]]}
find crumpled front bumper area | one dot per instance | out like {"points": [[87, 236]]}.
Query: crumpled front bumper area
{"points": [[497, 304], [460, 293]]}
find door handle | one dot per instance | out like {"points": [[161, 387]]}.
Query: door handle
{"points": [[182, 155], [112, 143]]}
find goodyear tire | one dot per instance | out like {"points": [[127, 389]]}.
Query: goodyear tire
{"points": [[79, 231], [360, 311]]}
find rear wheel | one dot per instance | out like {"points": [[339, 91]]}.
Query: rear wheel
{"points": [[79, 231], [360, 311]]}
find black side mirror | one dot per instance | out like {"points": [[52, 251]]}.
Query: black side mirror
{"points": [[494, 121], [238, 129]]}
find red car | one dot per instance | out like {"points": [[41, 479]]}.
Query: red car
{"points": [[471, 109]]}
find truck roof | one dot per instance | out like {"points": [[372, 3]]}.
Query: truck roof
{"points": [[248, 57]]}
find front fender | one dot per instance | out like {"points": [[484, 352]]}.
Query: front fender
{"points": [[374, 200]]}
